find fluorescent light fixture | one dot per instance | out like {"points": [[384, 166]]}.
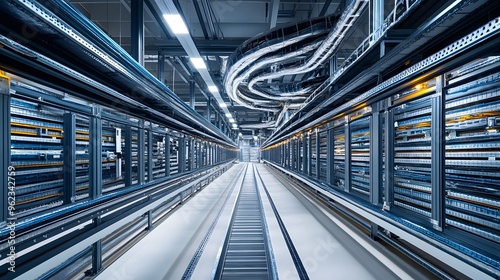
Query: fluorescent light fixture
{"points": [[228, 115], [176, 23], [222, 105], [213, 89], [198, 62], [232, 120], [235, 125]]}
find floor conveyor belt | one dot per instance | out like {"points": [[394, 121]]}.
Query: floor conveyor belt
{"points": [[245, 253]]}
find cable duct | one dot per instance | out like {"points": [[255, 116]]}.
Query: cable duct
{"points": [[295, 50], [258, 125]]}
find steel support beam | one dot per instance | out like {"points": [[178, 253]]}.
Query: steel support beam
{"points": [[191, 153], [347, 163], [215, 154], [167, 155], [330, 154], [318, 156], [182, 155], [219, 121], [375, 162], [95, 152], [69, 153], [200, 18], [389, 159], [273, 13], [218, 154], [375, 155], [333, 65], [212, 154], [210, 20], [161, 68], [205, 47], [149, 215], [199, 155], [137, 30], [438, 150], [208, 111], [141, 145], [306, 146], [6, 170], [325, 8], [202, 154], [150, 154], [192, 96], [127, 132], [96, 257], [377, 16]]}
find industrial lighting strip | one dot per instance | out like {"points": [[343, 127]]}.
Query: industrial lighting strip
{"points": [[174, 20], [131, 200], [416, 235], [481, 34]]}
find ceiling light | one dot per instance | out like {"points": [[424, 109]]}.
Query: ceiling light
{"points": [[176, 23], [222, 105], [235, 125], [228, 115], [213, 89], [198, 63], [232, 120]]}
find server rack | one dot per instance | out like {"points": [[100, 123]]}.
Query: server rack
{"points": [[453, 114], [312, 159], [52, 137], [360, 153]]}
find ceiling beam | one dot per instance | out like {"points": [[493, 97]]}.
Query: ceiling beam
{"points": [[273, 18], [182, 69], [137, 30], [157, 18], [200, 18], [210, 20], [325, 8], [205, 47]]}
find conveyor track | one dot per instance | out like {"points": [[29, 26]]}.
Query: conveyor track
{"points": [[245, 254]]}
